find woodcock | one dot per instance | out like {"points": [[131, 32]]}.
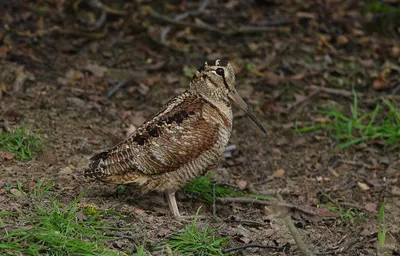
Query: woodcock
{"points": [[183, 140]]}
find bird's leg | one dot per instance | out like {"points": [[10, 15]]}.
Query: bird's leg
{"points": [[174, 208], [172, 203]]}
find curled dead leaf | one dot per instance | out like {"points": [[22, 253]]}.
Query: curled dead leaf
{"points": [[381, 81], [278, 173], [342, 40]]}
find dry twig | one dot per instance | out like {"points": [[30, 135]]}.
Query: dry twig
{"points": [[251, 223], [250, 246], [349, 94], [300, 102], [207, 27], [246, 200], [293, 230]]}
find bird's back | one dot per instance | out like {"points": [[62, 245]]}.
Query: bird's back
{"points": [[180, 142]]}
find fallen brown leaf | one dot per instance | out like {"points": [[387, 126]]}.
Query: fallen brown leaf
{"points": [[16, 192], [245, 240], [325, 212], [381, 81], [3, 51], [6, 155], [342, 40], [272, 78], [395, 51], [139, 211], [96, 70], [73, 74], [306, 15], [365, 63], [298, 76], [371, 207], [278, 173]]}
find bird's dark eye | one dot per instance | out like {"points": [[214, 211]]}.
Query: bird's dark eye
{"points": [[220, 71]]}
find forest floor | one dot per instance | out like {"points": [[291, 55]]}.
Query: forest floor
{"points": [[81, 76]]}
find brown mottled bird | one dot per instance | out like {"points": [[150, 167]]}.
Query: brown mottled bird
{"points": [[184, 139]]}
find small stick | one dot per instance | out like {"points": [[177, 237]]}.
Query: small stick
{"points": [[300, 102], [295, 233], [116, 88], [252, 223], [339, 92], [284, 192], [250, 246], [246, 200], [348, 94], [206, 27], [166, 19]]}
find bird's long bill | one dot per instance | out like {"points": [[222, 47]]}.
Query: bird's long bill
{"points": [[240, 102]]}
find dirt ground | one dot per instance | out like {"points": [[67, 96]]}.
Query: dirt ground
{"points": [[60, 65]]}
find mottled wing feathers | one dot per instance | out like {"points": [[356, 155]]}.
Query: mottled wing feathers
{"points": [[175, 135]]}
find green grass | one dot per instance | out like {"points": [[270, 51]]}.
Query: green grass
{"points": [[24, 144], [203, 187], [140, 249], [193, 241], [382, 124], [382, 228], [379, 7], [350, 214], [47, 227]]}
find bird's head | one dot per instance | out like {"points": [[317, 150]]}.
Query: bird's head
{"points": [[215, 80]]}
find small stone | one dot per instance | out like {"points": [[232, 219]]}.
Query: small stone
{"points": [[96, 70], [65, 170], [385, 160], [139, 211], [242, 184], [162, 232], [276, 153], [77, 102], [245, 240], [342, 40], [363, 186], [17, 193], [395, 191]]}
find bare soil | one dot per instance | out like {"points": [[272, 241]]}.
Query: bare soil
{"points": [[57, 68]]}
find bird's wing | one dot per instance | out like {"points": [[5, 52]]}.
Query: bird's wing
{"points": [[177, 134]]}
